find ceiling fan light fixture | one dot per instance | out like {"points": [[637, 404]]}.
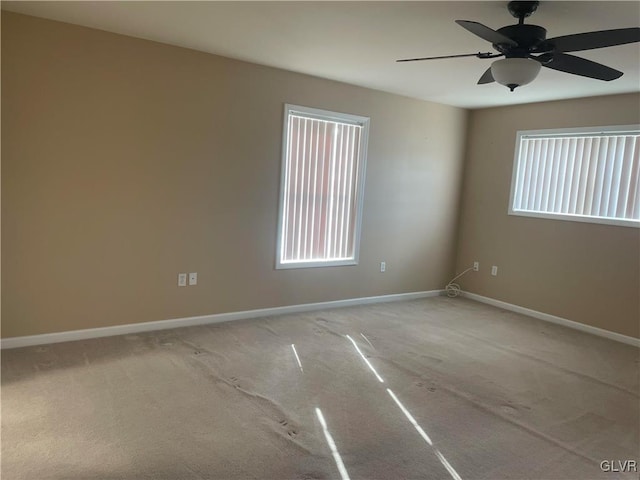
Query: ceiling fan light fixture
{"points": [[515, 72]]}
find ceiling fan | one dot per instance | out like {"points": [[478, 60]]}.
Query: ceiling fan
{"points": [[526, 49]]}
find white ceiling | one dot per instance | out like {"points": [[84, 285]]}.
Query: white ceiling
{"points": [[358, 42]]}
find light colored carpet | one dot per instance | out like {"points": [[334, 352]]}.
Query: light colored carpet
{"points": [[469, 391]]}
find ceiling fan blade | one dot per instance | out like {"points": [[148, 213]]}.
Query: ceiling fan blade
{"points": [[579, 66], [486, 33], [591, 40], [479, 55], [487, 77]]}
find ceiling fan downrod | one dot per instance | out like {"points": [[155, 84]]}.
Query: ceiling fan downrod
{"points": [[522, 10]]}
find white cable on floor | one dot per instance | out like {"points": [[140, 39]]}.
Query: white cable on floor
{"points": [[453, 289]]}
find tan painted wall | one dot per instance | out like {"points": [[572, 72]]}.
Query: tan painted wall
{"points": [[126, 161], [584, 272]]}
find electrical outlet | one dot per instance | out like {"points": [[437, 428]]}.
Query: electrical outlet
{"points": [[476, 266], [193, 278], [383, 266], [182, 279], [494, 271]]}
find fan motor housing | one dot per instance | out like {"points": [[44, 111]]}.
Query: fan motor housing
{"points": [[528, 38]]}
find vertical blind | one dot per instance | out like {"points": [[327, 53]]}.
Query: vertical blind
{"points": [[320, 190], [587, 175]]}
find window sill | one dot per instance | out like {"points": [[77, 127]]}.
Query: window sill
{"points": [[620, 222], [315, 264]]}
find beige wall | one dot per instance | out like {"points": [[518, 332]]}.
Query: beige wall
{"points": [[587, 273], [126, 161]]}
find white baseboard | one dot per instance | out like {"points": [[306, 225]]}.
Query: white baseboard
{"points": [[618, 337], [27, 341]]}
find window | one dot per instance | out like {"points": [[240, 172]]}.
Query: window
{"points": [[585, 175], [321, 191]]}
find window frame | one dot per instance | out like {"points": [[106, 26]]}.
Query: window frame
{"points": [[327, 115], [568, 132]]}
